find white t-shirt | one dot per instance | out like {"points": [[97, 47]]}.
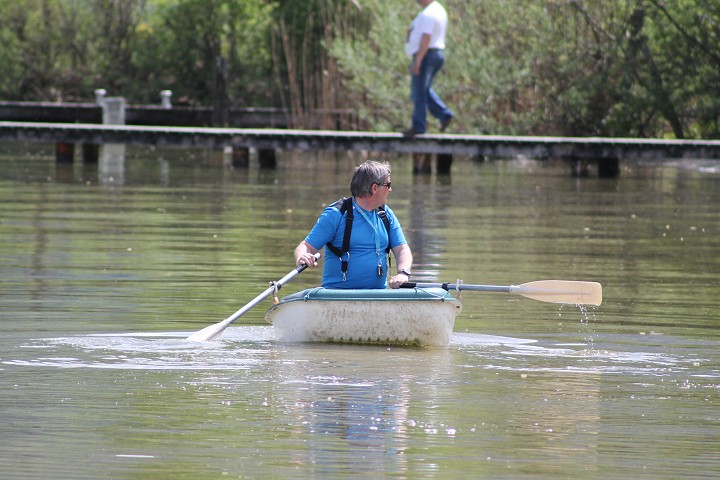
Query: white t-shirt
{"points": [[432, 20]]}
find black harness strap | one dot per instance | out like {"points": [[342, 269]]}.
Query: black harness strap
{"points": [[345, 205]]}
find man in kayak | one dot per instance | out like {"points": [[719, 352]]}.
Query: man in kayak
{"points": [[362, 260]]}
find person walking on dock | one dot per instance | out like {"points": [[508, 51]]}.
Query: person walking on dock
{"points": [[425, 45]]}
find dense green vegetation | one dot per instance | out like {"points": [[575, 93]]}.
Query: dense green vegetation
{"points": [[644, 68]]}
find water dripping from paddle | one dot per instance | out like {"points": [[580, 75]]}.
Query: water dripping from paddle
{"points": [[587, 318]]}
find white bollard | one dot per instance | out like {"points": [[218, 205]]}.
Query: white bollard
{"points": [[165, 96], [100, 96]]}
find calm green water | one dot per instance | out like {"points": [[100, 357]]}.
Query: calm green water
{"points": [[105, 270]]}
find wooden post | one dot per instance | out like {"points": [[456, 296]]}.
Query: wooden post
{"points": [[444, 162], [240, 157], [422, 164], [91, 153], [64, 152], [609, 167], [267, 159]]}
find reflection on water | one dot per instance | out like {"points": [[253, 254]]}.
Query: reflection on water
{"points": [[338, 409], [101, 281]]}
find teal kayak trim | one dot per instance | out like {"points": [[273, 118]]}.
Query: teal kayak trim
{"points": [[378, 295]]}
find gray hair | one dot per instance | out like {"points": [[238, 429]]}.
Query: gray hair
{"points": [[366, 174]]}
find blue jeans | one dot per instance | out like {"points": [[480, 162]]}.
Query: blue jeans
{"points": [[422, 94]]}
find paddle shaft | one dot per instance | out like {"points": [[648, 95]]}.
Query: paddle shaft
{"points": [[453, 286], [252, 303]]}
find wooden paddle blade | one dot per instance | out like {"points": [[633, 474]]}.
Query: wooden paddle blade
{"points": [[209, 333], [561, 291]]}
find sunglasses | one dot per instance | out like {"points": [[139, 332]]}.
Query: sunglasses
{"points": [[388, 185]]}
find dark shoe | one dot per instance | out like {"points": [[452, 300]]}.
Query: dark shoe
{"points": [[409, 133], [444, 124]]}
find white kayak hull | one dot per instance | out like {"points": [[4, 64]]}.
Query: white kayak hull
{"points": [[423, 317]]}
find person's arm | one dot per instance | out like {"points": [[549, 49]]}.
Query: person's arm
{"points": [[305, 254], [424, 44], [404, 259]]}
